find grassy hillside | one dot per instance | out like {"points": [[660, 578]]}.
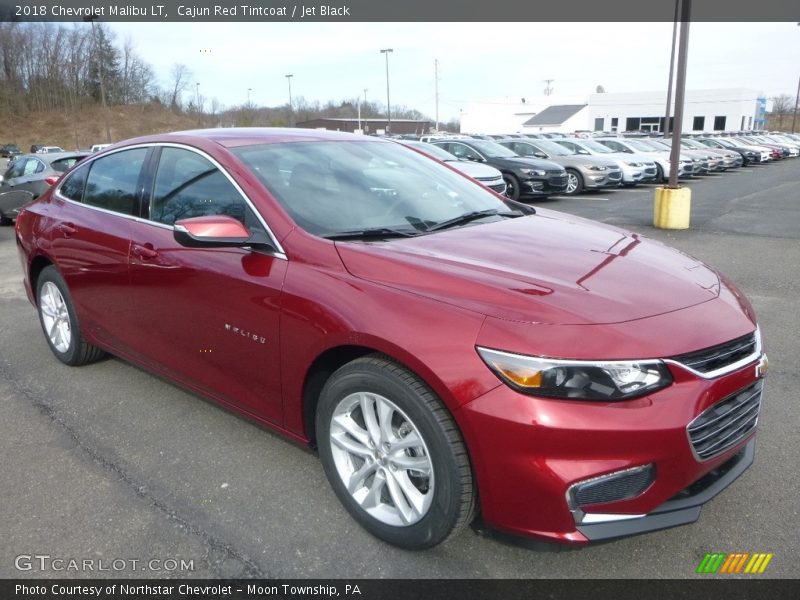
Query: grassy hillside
{"points": [[81, 129]]}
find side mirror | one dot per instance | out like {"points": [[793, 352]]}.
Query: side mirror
{"points": [[212, 231], [540, 155]]}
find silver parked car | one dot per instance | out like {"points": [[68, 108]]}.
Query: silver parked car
{"points": [[29, 176], [636, 168], [488, 176], [583, 172]]}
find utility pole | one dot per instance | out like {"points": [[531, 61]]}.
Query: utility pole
{"points": [[671, 69], [386, 52], [436, 88], [291, 109], [796, 102], [673, 204]]}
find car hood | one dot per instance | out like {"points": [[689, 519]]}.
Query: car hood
{"points": [[545, 268], [574, 160], [524, 163], [472, 169]]}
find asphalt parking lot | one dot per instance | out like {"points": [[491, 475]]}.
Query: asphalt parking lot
{"points": [[107, 461]]}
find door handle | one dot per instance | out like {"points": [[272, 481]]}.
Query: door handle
{"points": [[144, 252], [68, 229]]}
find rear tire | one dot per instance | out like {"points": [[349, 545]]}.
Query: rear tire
{"points": [[393, 454], [59, 321]]}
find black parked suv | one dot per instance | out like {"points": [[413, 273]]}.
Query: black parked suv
{"points": [[523, 176]]}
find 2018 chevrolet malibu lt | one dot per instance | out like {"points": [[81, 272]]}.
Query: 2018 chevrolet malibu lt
{"points": [[444, 349]]}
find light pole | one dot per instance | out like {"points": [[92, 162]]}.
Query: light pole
{"points": [[289, 79], [386, 52], [197, 95], [796, 102], [248, 96]]}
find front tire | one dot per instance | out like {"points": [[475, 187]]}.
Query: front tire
{"points": [[393, 454], [512, 186], [574, 183], [59, 321]]}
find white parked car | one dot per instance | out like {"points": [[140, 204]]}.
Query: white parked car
{"points": [[488, 176]]}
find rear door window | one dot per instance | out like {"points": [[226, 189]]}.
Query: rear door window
{"points": [[113, 182]]}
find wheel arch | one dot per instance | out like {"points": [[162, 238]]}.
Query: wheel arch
{"points": [[332, 358], [37, 265]]}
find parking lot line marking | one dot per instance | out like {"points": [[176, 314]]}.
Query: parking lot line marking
{"points": [[589, 198]]}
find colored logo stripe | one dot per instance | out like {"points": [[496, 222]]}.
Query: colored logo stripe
{"points": [[736, 562]]}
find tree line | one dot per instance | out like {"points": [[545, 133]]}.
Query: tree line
{"points": [[68, 67]]}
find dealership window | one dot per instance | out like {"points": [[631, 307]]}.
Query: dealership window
{"points": [[742, 127], [614, 123], [651, 123], [113, 179], [599, 123], [749, 122], [719, 123], [699, 124], [632, 123]]}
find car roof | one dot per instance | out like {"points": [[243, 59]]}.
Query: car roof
{"points": [[231, 137]]}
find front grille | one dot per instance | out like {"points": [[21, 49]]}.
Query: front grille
{"points": [[500, 187], [726, 423], [489, 178], [650, 171], [615, 175], [557, 182], [719, 357], [554, 173]]}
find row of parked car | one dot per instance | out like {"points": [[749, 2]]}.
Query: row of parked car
{"points": [[540, 165]]}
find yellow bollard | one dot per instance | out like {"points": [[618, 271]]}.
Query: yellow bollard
{"points": [[672, 208]]}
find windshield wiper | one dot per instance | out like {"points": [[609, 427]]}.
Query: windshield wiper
{"points": [[472, 216], [374, 233]]}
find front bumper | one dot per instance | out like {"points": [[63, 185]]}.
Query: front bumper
{"points": [[528, 453], [681, 509], [551, 183], [593, 180]]}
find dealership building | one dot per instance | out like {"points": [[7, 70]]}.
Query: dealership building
{"points": [[704, 110]]}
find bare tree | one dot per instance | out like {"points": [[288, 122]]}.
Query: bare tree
{"points": [[180, 77], [782, 105]]}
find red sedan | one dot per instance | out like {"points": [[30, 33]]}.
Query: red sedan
{"points": [[446, 350]]}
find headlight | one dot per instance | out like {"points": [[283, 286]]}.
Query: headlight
{"points": [[577, 379], [634, 164], [533, 172], [596, 168]]}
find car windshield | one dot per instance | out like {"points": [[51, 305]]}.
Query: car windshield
{"points": [[641, 146], [436, 152], [595, 147], [692, 144], [553, 148], [337, 187], [492, 149]]}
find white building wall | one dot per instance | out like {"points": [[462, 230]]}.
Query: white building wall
{"points": [[738, 106]]}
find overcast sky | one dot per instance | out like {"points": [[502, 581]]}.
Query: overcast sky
{"points": [[476, 60]]}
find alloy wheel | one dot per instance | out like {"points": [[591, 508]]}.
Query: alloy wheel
{"points": [[55, 317], [382, 459]]}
